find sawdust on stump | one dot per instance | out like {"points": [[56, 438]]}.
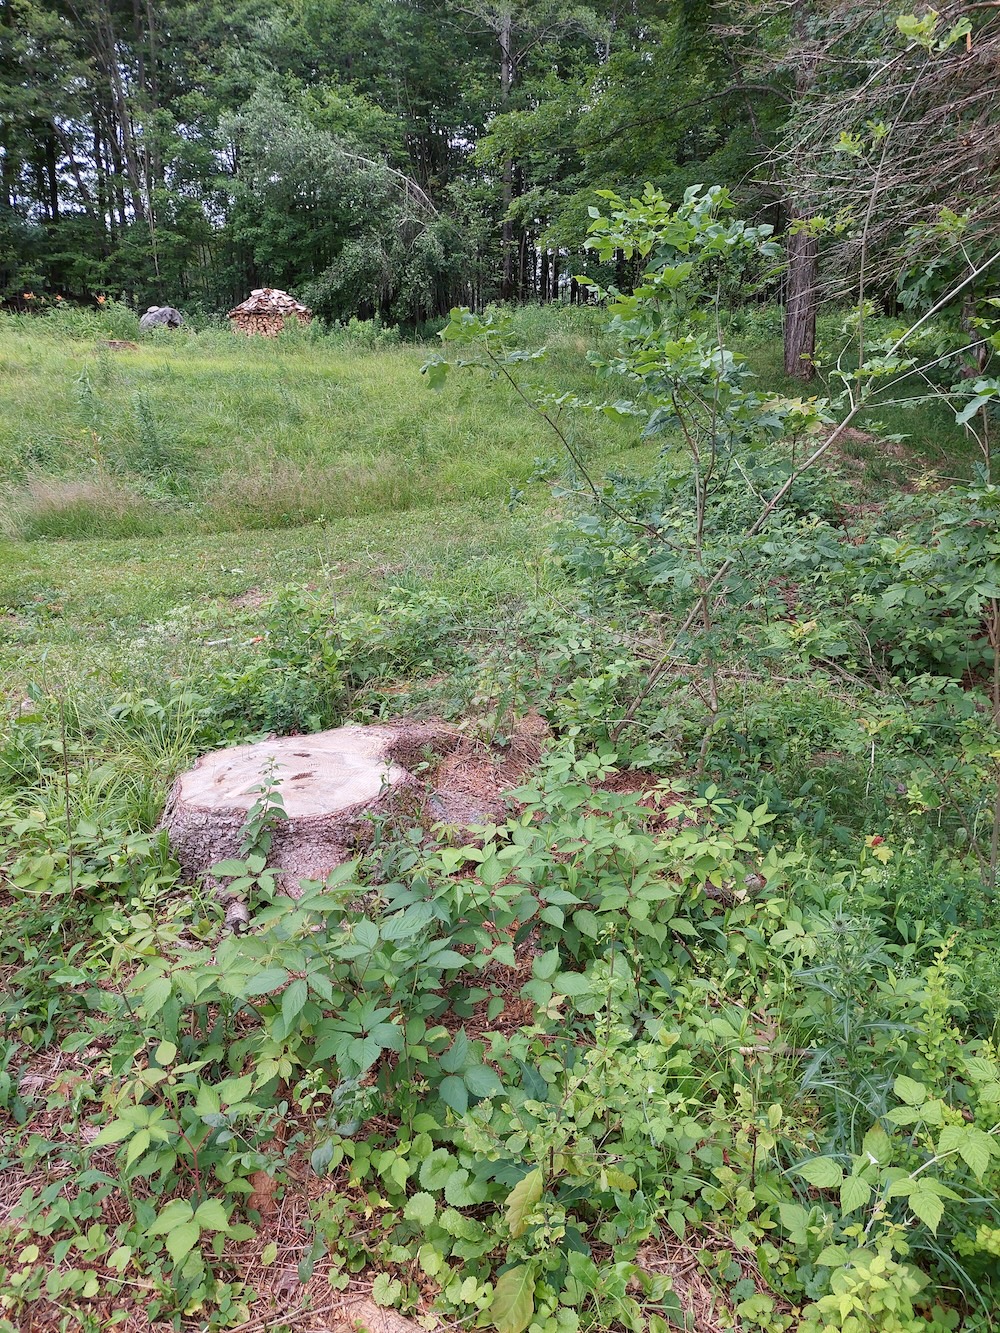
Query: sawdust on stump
{"points": [[473, 781]]}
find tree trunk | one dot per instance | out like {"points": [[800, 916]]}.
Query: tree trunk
{"points": [[803, 248], [800, 305], [507, 193]]}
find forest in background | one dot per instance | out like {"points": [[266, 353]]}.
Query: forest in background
{"points": [[393, 160]]}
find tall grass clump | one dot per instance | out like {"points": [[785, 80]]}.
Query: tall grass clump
{"points": [[56, 508], [287, 495]]}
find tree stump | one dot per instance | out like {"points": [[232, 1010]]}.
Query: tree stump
{"points": [[331, 783]]}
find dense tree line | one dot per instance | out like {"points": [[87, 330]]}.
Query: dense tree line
{"points": [[396, 157]]}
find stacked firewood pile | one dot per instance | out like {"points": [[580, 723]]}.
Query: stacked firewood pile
{"points": [[265, 311]]}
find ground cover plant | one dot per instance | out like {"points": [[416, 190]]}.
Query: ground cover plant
{"points": [[703, 1035]]}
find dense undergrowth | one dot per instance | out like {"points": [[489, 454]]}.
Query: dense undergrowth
{"points": [[709, 1021]]}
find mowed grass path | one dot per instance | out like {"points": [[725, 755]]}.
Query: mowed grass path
{"points": [[153, 497]]}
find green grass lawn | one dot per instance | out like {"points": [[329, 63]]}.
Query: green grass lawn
{"points": [[154, 495]]}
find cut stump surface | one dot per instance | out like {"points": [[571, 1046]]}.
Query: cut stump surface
{"points": [[330, 784]]}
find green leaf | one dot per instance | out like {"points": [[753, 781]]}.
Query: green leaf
{"points": [[928, 1207], [977, 1148], [155, 996], [794, 1218], [823, 1172], [456, 1057], [454, 1093], [513, 1300], [420, 1209], [572, 984], [546, 965], [435, 1170], [854, 1193], [293, 1001], [165, 1053], [386, 1290], [269, 1253], [230, 867], [522, 1199], [587, 923], [113, 1132], [910, 1091], [268, 980], [482, 1081], [901, 1188], [181, 1239], [461, 1191], [173, 1214], [137, 1146], [877, 1145], [211, 1216], [973, 1145], [833, 1256]]}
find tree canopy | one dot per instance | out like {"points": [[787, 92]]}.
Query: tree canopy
{"points": [[395, 159]]}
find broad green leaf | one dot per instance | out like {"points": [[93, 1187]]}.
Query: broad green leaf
{"points": [[587, 923], [854, 1193], [901, 1188], [877, 1146], [513, 1300], [386, 1290], [165, 1053], [155, 996], [833, 1256], [113, 1132], [823, 1172], [366, 933], [522, 1199], [910, 1091], [928, 1207], [230, 868], [268, 980], [420, 1209], [482, 1081], [461, 1191], [173, 1214], [974, 1146], [211, 1216], [572, 984], [137, 1146], [546, 965], [435, 1169], [977, 1148], [794, 1219], [293, 1001], [454, 1093], [456, 1057], [181, 1239], [269, 1253]]}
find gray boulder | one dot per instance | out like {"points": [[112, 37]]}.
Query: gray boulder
{"points": [[161, 316]]}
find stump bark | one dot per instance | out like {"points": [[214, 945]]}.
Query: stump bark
{"points": [[331, 784]]}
